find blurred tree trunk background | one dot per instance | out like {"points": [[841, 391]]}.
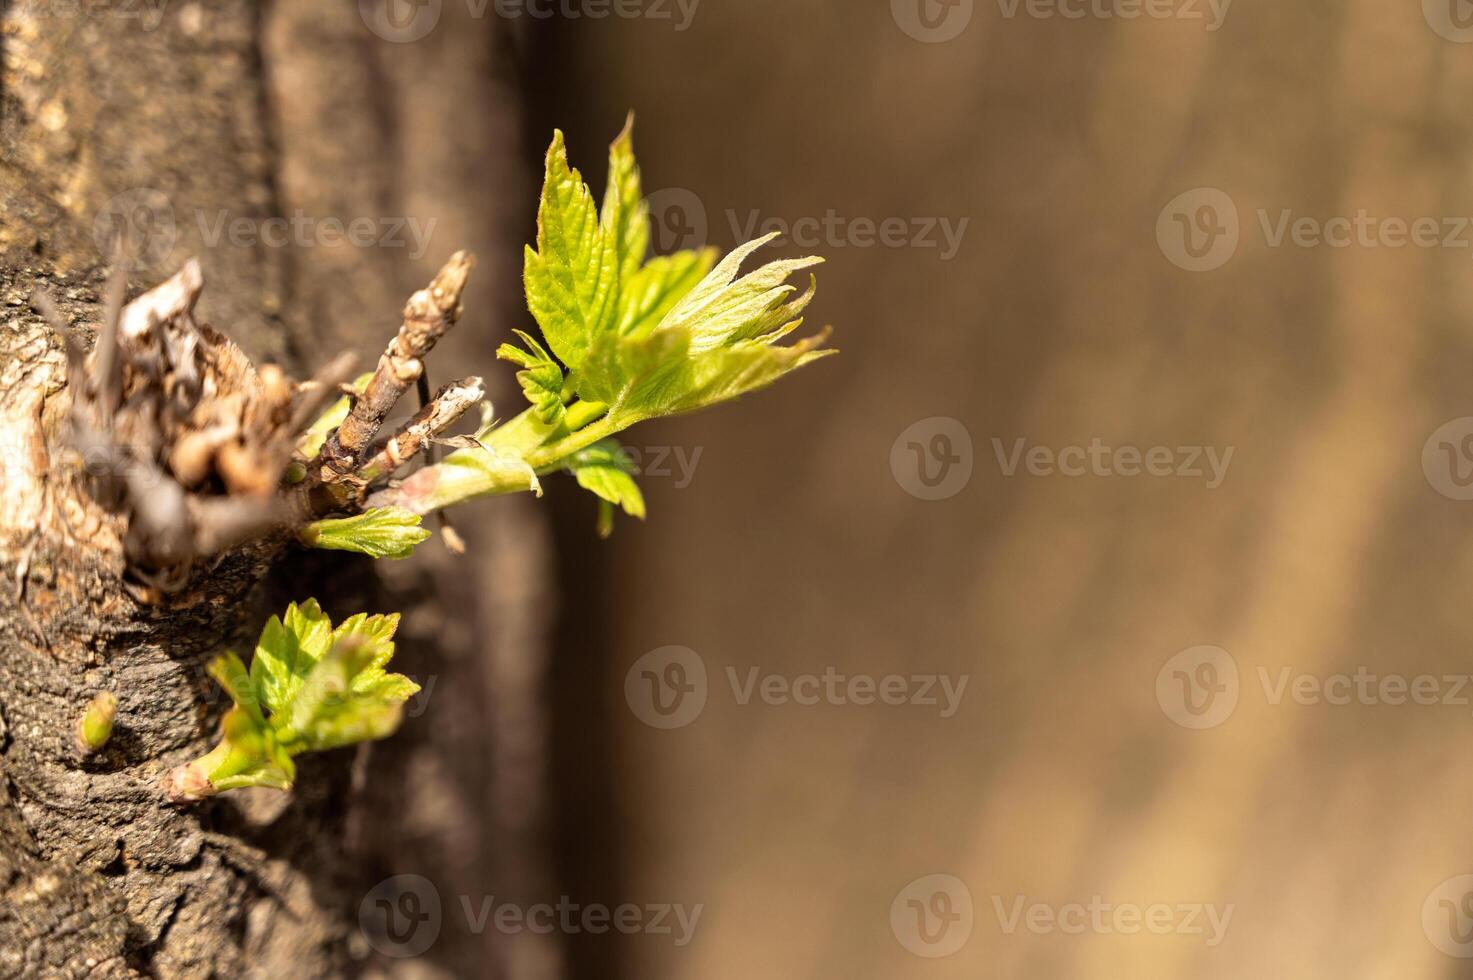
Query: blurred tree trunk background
{"points": [[1060, 321]]}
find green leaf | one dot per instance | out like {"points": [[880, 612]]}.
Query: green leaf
{"points": [[625, 220], [541, 378], [572, 278], [310, 625], [232, 675], [723, 309], [248, 755], [382, 532], [286, 652], [604, 470], [652, 292], [717, 342], [332, 711], [320, 687], [723, 374], [376, 634], [627, 373]]}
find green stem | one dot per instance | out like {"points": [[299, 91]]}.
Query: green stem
{"points": [[556, 452]]}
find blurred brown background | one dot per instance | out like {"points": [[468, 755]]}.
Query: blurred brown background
{"points": [[1059, 320]]}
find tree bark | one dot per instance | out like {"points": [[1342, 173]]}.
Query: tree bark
{"points": [[242, 110]]}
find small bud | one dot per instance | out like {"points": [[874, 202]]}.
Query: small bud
{"points": [[187, 784], [95, 726]]}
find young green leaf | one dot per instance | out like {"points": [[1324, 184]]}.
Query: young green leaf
{"points": [[310, 686], [723, 309], [381, 532], [606, 471], [231, 674], [283, 656], [652, 292], [717, 342], [625, 220], [541, 378], [248, 755], [330, 711], [572, 277]]}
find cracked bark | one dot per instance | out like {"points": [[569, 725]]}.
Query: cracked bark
{"points": [[247, 110]]}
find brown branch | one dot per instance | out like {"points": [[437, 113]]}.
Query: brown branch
{"points": [[444, 410], [427, 316]]}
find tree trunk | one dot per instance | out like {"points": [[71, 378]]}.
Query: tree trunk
{"points": [[227, 111]]}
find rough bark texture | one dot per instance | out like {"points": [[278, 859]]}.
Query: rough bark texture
{"points": [[248, 110]]}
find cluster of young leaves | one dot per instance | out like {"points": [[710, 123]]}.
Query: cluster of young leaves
{"points": [[624, 338], [310, 686]]}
